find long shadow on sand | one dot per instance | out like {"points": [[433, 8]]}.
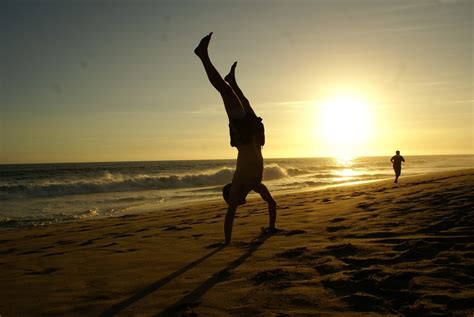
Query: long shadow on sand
{"points": [[191, 298], [112, 311], [197, 293]]}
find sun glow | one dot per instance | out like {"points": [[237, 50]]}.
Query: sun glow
{"points": [[344, 124]]}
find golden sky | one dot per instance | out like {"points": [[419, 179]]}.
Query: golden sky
{"points": [[118, 81]]}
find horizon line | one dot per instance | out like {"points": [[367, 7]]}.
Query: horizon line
{"points": [[222, 159]]}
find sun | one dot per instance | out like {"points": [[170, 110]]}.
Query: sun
{"points": [[344, 124]]}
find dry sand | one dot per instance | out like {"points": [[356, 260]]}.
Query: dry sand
{"points": [[368, 249]]}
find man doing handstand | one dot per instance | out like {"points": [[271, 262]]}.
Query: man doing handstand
{"points": [[247, 135]]}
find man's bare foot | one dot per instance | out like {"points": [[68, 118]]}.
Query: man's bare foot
{"points": [[201, 49], [230, 77]]}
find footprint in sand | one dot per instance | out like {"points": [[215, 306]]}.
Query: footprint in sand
{"points": [[330, 265], [341, 249], [175, 228], [86, 242], [362, 262], [216, 245], [292, 253], [150, 235], [89, 241], [123, 235], [277, 278], [366, 207], [336, 228], [365, 302], [30, 252], [65, 242], [54, 253], [108, 245], [126, 250], [48, 270], [128, 216], [290, 233], [8, 251], [269, 276], [47, 247], [364, 273], [374, 235], [141, 230]]}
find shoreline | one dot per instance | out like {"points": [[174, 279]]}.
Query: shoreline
{"points": [[374, 248], [186, 203]]}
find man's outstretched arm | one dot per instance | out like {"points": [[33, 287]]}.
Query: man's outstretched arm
{"points": [[265, 194]]}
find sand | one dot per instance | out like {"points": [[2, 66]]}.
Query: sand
{"points": [[361, 250]]}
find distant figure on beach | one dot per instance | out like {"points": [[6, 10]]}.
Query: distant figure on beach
{"points": [[246, 134], [397, 160]]}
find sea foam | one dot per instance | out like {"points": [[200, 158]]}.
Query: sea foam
{"points": [[119, 182]]}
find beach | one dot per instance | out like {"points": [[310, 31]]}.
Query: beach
{"points": [[42, 194], [374, 248]]}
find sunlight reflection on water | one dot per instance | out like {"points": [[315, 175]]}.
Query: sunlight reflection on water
{"points": [[345, 160], [347, 173]]}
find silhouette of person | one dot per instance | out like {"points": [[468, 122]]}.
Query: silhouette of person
{"points": [[246, 134], [397, 160]]}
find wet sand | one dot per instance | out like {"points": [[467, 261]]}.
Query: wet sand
{"points": [[362, 250]]}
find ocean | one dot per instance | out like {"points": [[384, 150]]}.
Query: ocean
{"points": [[41, 194]]}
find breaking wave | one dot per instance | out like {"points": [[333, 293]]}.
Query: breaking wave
{"points": [[117, 182]]}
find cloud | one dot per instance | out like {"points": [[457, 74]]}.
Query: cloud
{"points": [[430, 83], [218, 109], [461, 101], [208, 110], [394, 29], [295, 104]]}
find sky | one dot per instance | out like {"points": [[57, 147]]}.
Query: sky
{"points": [[118, 80]]}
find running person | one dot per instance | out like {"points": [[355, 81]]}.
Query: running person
{"points": [[397, 164], [246, 134]]}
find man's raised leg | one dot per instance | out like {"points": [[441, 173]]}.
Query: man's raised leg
{"points": [[232, 103], [230, 78]]}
